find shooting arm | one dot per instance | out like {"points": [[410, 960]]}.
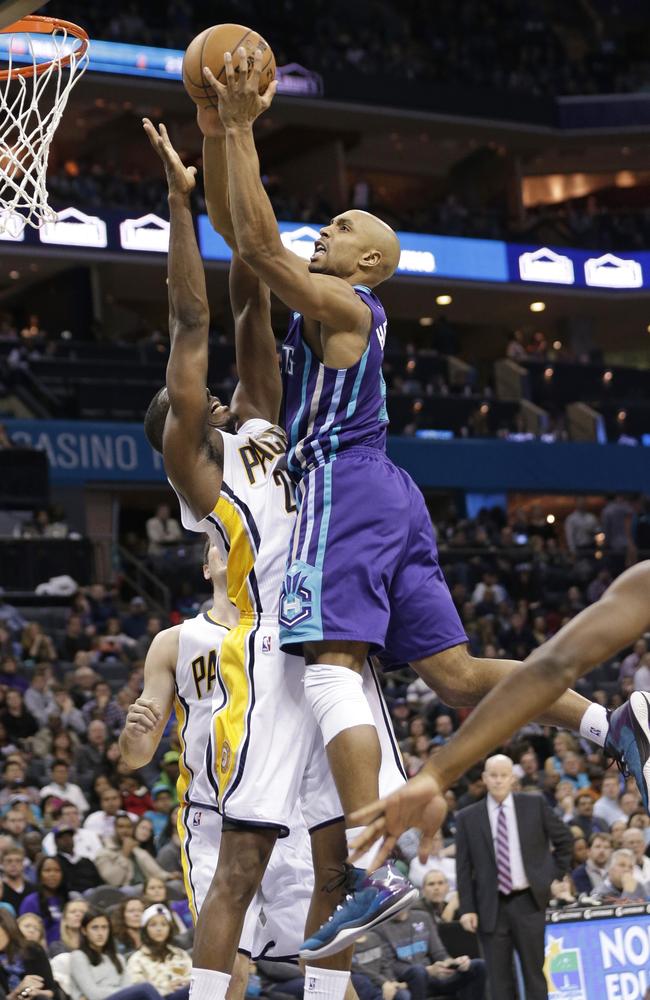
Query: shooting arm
{"points": [[259, 391], [147, 717], [318, 296], [215, 179]]}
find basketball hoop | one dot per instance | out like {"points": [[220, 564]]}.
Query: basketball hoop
{"points": [[45, 57]]}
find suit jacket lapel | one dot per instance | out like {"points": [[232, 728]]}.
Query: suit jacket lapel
{"points": [[522, 816], [486, 829]]}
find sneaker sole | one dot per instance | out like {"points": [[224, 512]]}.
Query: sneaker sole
{"points": [[347, 935], [640, 708]]}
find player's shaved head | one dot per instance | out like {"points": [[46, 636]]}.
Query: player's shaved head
{"points": [[382, 240], [357, 247]]}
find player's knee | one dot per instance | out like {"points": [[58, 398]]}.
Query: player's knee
{"points": [[238, 881], [451, 674], [336, 697]]}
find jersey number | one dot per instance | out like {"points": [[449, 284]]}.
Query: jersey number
{"points": [[204, 675], [282, 478]]}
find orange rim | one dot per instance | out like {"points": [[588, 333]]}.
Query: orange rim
{"points": [[36, 25]]}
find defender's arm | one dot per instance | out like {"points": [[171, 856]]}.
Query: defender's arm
{"points": [[189, 318], [147, 717]]}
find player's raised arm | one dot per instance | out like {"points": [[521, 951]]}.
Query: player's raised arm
{"points": [[189, 317], [318, 296], [147, 716], [215, 172]]}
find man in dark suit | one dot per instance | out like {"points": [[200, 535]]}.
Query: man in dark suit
{"points": [[505, 869]]}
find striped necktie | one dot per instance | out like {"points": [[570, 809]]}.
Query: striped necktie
{"points": [[504, 875]]}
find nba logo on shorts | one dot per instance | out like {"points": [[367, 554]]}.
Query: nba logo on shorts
{"points": [[266, 643], [225, 757], [196, 819], [311, 984]]}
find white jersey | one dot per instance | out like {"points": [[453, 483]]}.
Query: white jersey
{"points": [[199, 647], [253, 517]]}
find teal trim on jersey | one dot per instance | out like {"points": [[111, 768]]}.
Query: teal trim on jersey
{"points": [[325, 517], [293, 438], [383, 409], [364, 288], [352, 405]]}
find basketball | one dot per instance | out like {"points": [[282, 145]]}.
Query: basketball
{"points": [[208, 49]]}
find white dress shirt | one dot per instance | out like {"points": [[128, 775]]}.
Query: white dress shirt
{"points": [[69, 793], [86, 845], [517, 871]]}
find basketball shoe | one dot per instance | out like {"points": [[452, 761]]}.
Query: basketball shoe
{"points": [[628, 741], [372, 899]]}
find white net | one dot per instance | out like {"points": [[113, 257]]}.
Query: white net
{"points": [[41, 71]]}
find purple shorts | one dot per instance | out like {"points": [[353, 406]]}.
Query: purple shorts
{"points": [[363, 564]]}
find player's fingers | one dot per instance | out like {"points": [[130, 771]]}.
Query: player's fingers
{"points": [[367, 838], [386, 848], [368, 813], [243, 68], [150, 702], [254, 75], [269, 94], [230, 70], [192, 171]]}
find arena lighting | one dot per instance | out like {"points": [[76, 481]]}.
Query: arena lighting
{"points": [[443, 300], [550, 518], [608, 376], [428, 321], [14, 275], [537, 307], [557, 345], [621, 416], [548, 373]]}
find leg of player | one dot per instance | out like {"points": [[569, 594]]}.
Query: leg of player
{"points": [[461, 680], [328, 978], [243, 856], [239, 978]]}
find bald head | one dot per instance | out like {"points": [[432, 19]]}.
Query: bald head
{"points": [[498, 776], [357, 247]]}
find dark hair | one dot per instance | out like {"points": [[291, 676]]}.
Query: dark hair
{"points": [[149, 844], [94, 956], [59, 762], [154, 419], [18, 943], [159, 951], [43, 898], [206, 549], [121, 932]]}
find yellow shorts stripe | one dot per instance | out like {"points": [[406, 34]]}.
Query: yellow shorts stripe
{"points": [[241, 557], [185, 836], [231, 721]]}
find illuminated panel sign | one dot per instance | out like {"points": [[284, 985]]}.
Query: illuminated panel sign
{"points": [[578, 268], [148, 61], [73, 228]]}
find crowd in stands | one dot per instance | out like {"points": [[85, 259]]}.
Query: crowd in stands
{"points": [[92, 891], [541, 50]]}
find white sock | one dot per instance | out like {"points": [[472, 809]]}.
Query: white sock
{"points": [[594, 724], [366, 858], [325, 984], [206, 984]]}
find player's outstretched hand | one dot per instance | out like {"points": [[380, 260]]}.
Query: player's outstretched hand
{"points": [[180, 179], [142, 717], [419, 803], [240, 101]]}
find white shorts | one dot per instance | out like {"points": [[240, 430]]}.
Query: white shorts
{"points": [[267, 748]]}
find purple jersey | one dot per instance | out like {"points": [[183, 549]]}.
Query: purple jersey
{"points": [[327, 410]]}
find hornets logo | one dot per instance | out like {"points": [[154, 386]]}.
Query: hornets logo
{"points": [[295, 601]]}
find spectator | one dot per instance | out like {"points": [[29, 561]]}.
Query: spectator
{"points": [[33, 929], [444, 730], [23, 964], [123, 862], [86, 843], [439, 858], [436, 899], [75, 638], [155, 891], [39, 700], [36, 646], [15, 887], [169, 773], [33, 843], [629, 802], [15, 785], [573, 770], [18, 722], [621, 884], [584, 816], [49, 898], [369, 963], [153, 627], [70, 716], [102, 706], [642, 675], [10, 616], [607, 806], [97, 972], [419, 958], [127, 920], [617, 517], [157, 817], [91, 758], [159, 961], [632, 660], [15, 823], [580, 528], [589, 877], [102, 822], [136, 797], [634, 841], [475, 788], [63, 788], [169, 852], [81, 874], [135, 622], [70, 940], [163, 531], [9, 676]]}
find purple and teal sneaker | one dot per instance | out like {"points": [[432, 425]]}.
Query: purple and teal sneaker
{"points": [[628, 741], [373, 899]]}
